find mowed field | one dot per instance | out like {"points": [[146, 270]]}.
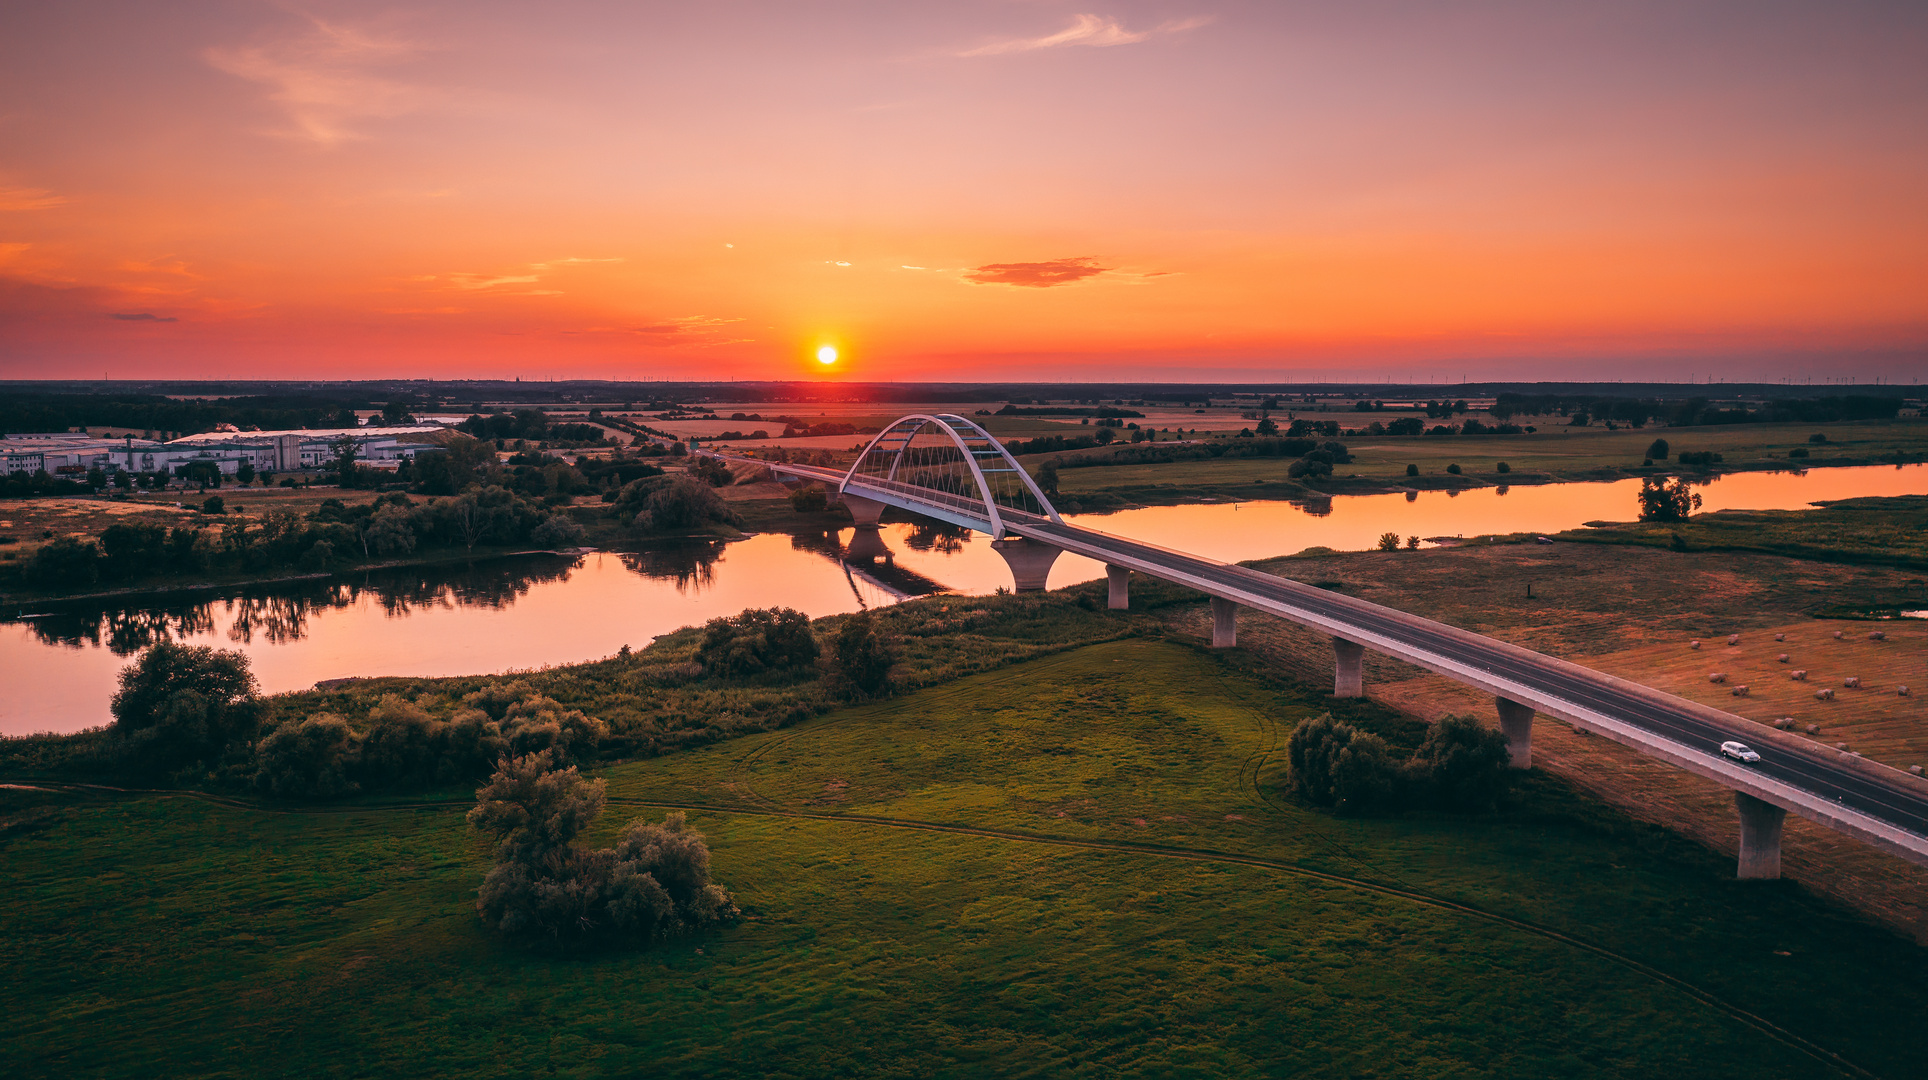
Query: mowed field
{"points": [[1873, 717], [1078, 866], [1553, 454]]}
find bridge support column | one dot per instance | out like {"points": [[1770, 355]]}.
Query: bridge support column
{"points": [[1119, 579], [1760, 837], [1516, 723], [1349, 668], [1224, 623], [865, 512], [1030, 561]]}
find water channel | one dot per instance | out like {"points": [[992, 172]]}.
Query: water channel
{"points": [[58, 669]]}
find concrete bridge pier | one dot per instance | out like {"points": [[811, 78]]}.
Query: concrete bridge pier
{"points": [[1516, 723], [1119, 579], [1030, 561], [865, 512], [1224, 623], [1761, 823], [1349, 668]]}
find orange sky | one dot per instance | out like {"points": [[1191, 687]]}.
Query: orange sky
{"points": [[996, 190]]}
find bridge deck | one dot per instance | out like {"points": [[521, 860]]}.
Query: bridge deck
{"points": [[1854, 796]]}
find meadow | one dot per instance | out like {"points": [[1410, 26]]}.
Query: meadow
{"points": [[1078, 865]]}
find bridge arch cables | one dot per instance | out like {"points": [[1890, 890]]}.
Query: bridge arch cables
{"points": [[947, 467]]}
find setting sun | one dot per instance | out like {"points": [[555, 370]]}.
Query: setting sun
{"points": [[827, 354]]}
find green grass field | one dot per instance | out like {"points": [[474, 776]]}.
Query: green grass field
{"points": [[1554, 454], [1076, 866]]}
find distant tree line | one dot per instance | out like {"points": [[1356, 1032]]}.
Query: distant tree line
{"points": [[34, 411], [1584, 409]]}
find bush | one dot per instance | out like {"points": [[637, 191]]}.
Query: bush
{"points": [[809, 499], [862, 657], [1701, 458], [1412, 470], [214, 504], [1453, 469], [1817, 438], [308, 759], [1504, 467], [1798, 452], [1658, 450], [1389, 541], [655, 883], [179, 704], [1460, 766], [757, 640]]}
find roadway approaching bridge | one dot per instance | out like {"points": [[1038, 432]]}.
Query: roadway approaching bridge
{"points": [[949, 468]]}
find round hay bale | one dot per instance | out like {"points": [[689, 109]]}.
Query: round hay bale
{"points": [[1740, 691], [1851, 682], [1784, 723], [1782, 658], [1877, 635], [1780, 637], [1837, 635], [1901, 691], [1733, 639], [1916, 769], [1824, 695], [1812, 729], [1717, 676], [1694, 644], [1798, 674]]}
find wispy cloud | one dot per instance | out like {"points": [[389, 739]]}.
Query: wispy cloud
{"points": [[533, 273], [144, 316], [1036, 275], [20, 198], [321, 78], [1091, 31]]}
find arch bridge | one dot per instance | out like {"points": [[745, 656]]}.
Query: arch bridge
{"points": [[947, 467]]}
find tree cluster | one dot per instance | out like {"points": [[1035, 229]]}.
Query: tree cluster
{"points": [[654, 884], [1461, 765], [756, 641], [1664, 499]]}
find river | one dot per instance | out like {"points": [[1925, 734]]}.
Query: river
{"points": [[534, 611]]}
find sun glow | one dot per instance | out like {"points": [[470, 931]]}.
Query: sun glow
{"points": [[827, 354]]}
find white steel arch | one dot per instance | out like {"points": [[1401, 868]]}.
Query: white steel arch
{"points": [[895, 439]]}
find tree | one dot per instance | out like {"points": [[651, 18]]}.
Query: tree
{"points": [[1504, 468], [1462, 765], [1389, 541], [683, 503], [1658, 450], [1334, 764], [757, 640], [387, 531], [346, 449], [1105, 436], [1048, 478], [1412, 470], [245, 473], [809, 499], [1662, 499], [179, 703], [862, 657], [1453, 469], [66, 562]]}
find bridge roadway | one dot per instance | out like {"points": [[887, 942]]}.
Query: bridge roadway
{"points": [[1844, 793]]}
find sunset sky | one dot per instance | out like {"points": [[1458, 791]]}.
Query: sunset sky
{"points": [[965, 190]]}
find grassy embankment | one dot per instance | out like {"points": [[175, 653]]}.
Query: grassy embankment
{"points": [[1880, 531], [1077, 866]]}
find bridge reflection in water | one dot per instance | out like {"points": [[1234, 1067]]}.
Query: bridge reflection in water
{"points": [[948, 469]]}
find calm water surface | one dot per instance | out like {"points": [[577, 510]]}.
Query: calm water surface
{"points": [[58, 670]]}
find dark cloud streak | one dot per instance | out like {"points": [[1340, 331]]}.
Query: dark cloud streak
{"points": [[145, 316], [1036, 275]]}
